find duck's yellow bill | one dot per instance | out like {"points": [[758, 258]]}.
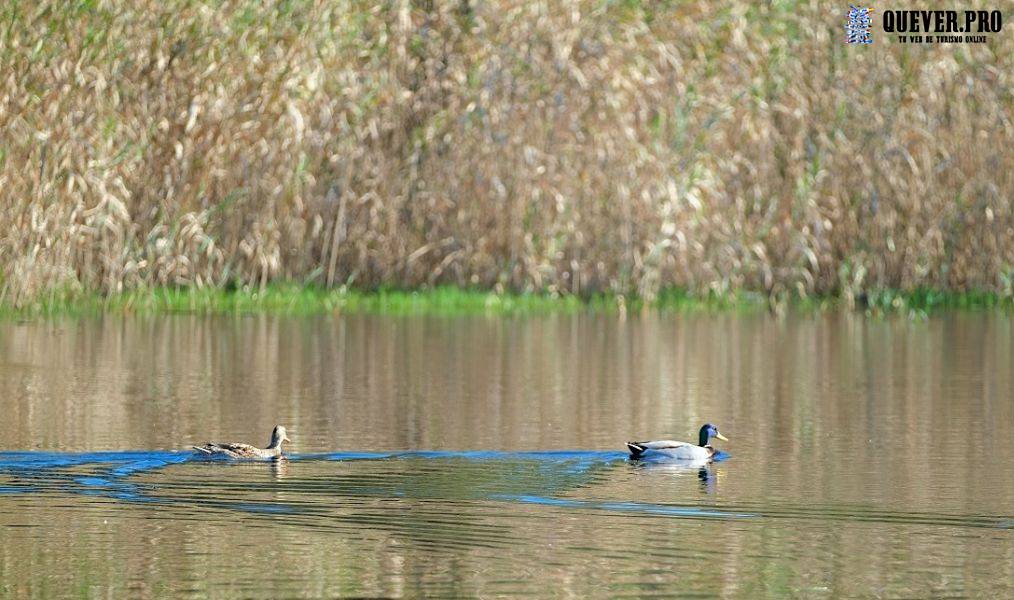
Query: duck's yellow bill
{"points": [[721, 437]]}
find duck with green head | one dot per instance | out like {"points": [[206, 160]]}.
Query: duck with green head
{"points": [[679, 450]]}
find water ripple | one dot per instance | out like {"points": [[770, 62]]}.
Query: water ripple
{"points": [[545, 479]]}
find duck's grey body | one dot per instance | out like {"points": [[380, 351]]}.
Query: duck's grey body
{"points": [[670, 449], [230, 450]]}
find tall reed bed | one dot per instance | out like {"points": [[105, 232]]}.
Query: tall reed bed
{"points": [[574, 147]]}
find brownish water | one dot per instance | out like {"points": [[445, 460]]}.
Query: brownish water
{"points": [[482, 456]]}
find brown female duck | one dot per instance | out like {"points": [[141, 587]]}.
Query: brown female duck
{"points": [[274, 449]]}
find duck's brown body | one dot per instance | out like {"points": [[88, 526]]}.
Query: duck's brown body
{"points": [[274, 449]]}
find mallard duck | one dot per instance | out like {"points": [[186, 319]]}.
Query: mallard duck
{"points": [[274, 449], [678, 450]]}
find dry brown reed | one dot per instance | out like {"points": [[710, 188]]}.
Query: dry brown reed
{"points": [[574, 147]]}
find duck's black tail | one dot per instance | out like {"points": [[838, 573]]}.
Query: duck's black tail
{"points": [[636, 449]]}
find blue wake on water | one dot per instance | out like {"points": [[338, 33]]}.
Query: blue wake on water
{"points": [[635, 507], [533, 478]]}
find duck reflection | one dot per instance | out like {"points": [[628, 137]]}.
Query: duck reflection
{"points": [[705, 470], [279, 468]]}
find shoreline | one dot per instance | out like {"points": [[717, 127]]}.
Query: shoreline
{"points": [[308, 300]]}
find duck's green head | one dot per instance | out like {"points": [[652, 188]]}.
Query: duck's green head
{"points": [[709, 431]]}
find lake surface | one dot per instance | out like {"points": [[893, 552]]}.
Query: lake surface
{"points": [[484, 456]]}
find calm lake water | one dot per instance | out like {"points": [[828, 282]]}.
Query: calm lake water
{"points": [[484, 456]]}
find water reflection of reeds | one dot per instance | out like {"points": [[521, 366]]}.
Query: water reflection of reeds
{"points": [[868, 448]]}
